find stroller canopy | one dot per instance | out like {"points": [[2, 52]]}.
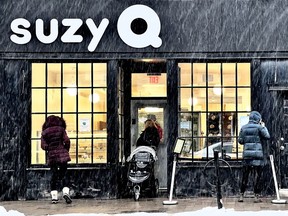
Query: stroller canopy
{"points": [[143, 149]]}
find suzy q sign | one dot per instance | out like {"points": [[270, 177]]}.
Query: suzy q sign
{"points": [[22, 35]]}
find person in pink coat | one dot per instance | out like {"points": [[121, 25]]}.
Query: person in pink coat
{"points": [[55, 141]]}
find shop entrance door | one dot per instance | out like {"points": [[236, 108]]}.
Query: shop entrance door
{"points": [[141, 110]]}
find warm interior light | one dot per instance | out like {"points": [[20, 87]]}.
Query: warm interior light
{"points": [[72, 90], [94, 98], [217, 91], [152, 109], [150, 60], [192, 101]]}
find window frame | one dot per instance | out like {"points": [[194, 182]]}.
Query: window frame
{"points": [[92, 113], [207, 111]]}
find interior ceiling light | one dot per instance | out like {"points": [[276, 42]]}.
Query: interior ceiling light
{"points": [[192, 101], [72, 90], [152, 109], [217, 90], [150, 60], [94, 98]]}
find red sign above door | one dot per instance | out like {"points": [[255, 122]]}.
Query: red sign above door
{"points": [[154, 79]]}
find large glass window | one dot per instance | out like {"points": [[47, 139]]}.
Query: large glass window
{"points": [[78, 93], [214, 104]]}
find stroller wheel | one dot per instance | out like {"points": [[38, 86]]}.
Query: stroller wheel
{"points": [[136, 196], [136, 191]]}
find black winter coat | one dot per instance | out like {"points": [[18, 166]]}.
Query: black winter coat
{"points": [[149, 137], [252, 136]]}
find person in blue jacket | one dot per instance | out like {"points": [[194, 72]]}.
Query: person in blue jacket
{"points": [[251, 136]]}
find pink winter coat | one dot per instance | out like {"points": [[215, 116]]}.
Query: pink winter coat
{"points": [[55, 141]]}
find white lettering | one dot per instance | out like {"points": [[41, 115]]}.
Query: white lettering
{"points": [[96, 32], [26, 35], [22, 35], [53, 31], [69, 36], [149, 37]]}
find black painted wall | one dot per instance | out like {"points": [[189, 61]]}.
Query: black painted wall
{"points": [[172, 109], [186, 26], [14, 128]]}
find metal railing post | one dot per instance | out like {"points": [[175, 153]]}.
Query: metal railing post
{"points": [[218, 185]]}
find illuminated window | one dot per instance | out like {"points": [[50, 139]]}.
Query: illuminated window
{"points": [[149, 85], [78, 93], [214, 104]]}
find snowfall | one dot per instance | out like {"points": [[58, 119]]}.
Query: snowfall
{"points": [[205, 211]]}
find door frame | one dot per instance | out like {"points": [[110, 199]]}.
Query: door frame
{"points": [[137, 103], [141, 103]]}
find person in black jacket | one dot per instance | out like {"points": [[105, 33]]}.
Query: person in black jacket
{"points": [[251, 136], [150, 136]]}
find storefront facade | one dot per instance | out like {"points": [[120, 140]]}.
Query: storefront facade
{"points": [[105, 66]]}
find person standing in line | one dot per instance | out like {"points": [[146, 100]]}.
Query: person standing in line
{"points": [[55, 141], [150, 136], [251, 136], [158, 126]]}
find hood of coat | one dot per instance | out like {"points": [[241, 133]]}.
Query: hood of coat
{"points": [[52, 121], [255, 116]]}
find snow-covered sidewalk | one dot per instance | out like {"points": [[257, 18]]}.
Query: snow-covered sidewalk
{"points": [[205, 211], [3, 212]]}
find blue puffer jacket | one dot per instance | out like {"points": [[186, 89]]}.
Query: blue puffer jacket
{"points": [[251, 136]]}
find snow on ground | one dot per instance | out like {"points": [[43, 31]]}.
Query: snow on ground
{"points": [[205, 211], [3, 212]]}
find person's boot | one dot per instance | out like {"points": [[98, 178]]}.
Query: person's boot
{"points": [[241, 197], [257, 198], [66, 195], [54, 196]]}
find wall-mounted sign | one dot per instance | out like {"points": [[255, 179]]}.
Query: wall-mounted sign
{"points": [[22, 35], [84, 125]]}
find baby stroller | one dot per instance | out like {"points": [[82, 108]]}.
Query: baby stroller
{"points": [[141, 172]]}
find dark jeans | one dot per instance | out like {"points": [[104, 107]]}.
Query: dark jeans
{"points": [[257, 171], [58, 178]]}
